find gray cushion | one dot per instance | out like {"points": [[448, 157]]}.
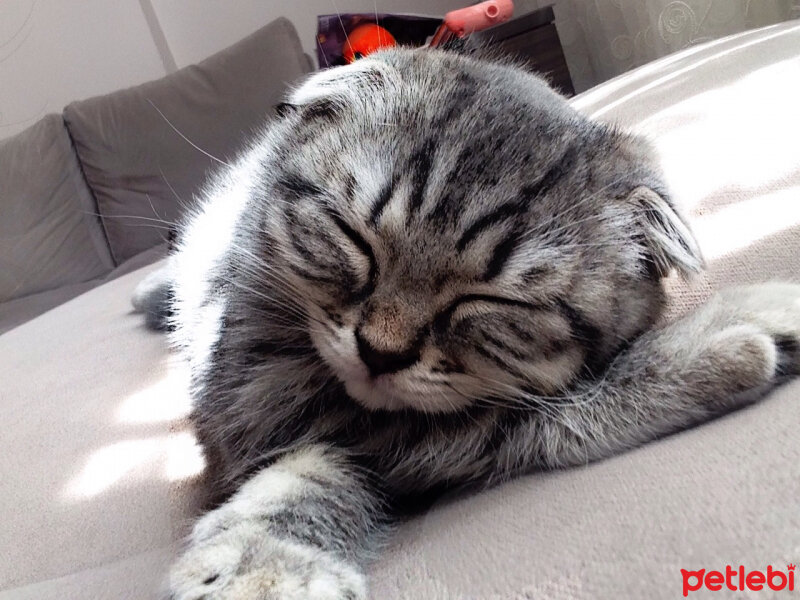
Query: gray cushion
{"points": [[49, 236], [142, 171]]}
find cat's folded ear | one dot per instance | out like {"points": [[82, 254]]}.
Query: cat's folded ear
{"points": [[668, 240]]}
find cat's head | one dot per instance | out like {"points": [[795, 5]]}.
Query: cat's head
{"points": [[456, 233]]}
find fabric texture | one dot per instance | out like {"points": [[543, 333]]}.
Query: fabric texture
{"points": [[147, 150], [49, 234], [100, 483], [21, 310], [101, 472]]}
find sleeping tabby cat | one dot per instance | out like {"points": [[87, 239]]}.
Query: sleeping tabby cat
{"points": [[431, 272]]}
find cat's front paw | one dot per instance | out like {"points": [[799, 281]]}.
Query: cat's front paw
{"points": [[735, 347], [774, 310], [246, 562]]}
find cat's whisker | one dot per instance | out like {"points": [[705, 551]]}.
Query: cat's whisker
{"points": [[187, 207], [152, 206], [511, 393], [596, 218], [375, 6], [258, 266], [545, 225], [155, 212], [150, 225], [296, 309], [158, 220], [300, 326], [186, 139], [339, 14]]}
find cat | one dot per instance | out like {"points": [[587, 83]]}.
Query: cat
{"points": [[430, 272]]}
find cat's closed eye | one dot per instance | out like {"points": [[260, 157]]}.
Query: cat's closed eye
{"points": [[472, 301], [363, 259]]}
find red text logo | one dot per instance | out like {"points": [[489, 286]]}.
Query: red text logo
{"points": [[738, 579]]}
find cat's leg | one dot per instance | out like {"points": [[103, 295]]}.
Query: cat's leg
{"points": [[153, 297], [724, 355], [300, 528]]}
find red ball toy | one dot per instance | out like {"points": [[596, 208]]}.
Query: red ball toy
{"points": [[366, 39]]}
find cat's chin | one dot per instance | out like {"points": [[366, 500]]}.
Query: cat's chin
{"points": [[373, 395], [382, 393]]}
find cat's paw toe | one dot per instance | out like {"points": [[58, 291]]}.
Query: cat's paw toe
{"points": [[205, 570], [244, 562]]}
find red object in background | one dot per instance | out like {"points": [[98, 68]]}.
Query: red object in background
{"points": [[366, 39], [462, 22]]}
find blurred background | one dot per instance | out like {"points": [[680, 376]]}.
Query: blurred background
{"points": [[55, 51]]}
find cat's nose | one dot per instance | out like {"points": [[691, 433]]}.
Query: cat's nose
{"points": [[379, 362]]}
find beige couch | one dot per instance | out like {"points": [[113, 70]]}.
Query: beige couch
{"points": [[100, 470]]}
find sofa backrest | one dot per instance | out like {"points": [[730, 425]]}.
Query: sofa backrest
{"points": [[50, 234], [82, 192], [145, 150]]}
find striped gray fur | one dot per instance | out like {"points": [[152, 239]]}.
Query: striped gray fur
{"points": [[430, 272]]}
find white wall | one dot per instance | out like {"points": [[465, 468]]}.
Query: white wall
{"points": [[55, 51], [197, 28]]}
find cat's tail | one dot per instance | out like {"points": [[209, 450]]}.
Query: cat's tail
{"points": [[153, 298]]}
